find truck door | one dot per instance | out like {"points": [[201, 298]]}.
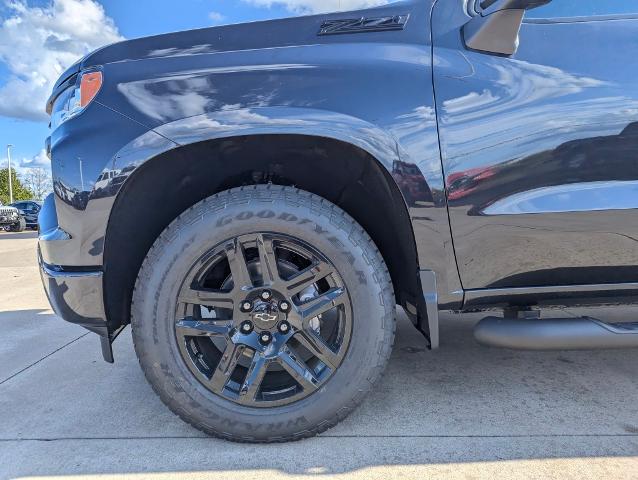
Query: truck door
{"points": [[540, 148]]}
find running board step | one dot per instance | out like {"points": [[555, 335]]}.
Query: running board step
{"points": [[555, 333]]}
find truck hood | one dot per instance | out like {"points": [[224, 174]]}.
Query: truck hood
{"points": [[285, 32], [244, 36]]}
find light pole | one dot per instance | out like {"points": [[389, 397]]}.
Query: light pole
{"points": [[10, 182]]}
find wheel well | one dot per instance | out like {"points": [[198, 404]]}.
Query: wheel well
{"points": [[162, 188]]}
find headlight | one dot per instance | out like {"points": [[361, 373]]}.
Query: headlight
{"points": [[72, 101]]}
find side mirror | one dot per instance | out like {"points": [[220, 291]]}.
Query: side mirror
{"points": [[495, 27]]}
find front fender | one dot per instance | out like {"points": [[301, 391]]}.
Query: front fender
{"points": [[426, 202], [231, 123], [284, 120]]}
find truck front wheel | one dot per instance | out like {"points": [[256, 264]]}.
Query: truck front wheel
{"points": [[263, 314]]}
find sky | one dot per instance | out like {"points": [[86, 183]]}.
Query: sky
{"points": [[39, 39]]}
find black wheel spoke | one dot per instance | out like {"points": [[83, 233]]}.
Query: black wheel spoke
{"points": [[254, 377], [308, 278], [238, 265], [273, 289], [318, 347], [225, 367], [297, 368], [191, 327], [206, 298], [268, 260], [321, 304]]}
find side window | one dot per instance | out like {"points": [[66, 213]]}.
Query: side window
{"points": [[584, 8]]}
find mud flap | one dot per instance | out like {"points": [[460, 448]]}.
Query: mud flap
{"points": [[428, 321], [107, 344]]}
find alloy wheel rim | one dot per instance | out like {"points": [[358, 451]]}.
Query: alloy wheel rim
{"points": [[263, 320]]}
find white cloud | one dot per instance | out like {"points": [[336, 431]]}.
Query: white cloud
{"points": [[318, 6], [38, 43], [37, 161], [21, 165], [216, 17]]}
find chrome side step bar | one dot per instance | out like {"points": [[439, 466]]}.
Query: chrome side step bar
{"points": [[555, 333]]}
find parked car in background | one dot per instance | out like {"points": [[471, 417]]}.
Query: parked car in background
{"points": [[256, 199], [29, 209], [10, 219]]}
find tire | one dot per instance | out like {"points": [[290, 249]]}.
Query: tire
{"points": [[20, 226], [297, 405]]}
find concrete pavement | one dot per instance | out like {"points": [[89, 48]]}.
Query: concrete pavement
{"points": [[461, 412]]}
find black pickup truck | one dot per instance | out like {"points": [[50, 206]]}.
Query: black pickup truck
{"points": [[256, 199]]}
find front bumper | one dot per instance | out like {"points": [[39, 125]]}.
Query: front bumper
{"points": [[75, 293], [8, 220], [77, 298]]}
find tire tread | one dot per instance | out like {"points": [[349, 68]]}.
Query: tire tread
{"points": [[294, 197]]}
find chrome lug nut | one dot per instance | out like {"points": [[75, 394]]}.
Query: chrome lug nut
{"points": [[266, 295], [284, 306], [246, 327], [265, 338], [284, 327], [246, 306]]}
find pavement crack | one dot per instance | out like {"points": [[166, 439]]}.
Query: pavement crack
{"points": [[43, 358]]}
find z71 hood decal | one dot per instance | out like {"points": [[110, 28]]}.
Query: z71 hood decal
{"points": [[361, 25]]}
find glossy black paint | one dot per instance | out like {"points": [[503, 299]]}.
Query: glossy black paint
{"points": [[76, 296], [535, 150], [539, 152]]}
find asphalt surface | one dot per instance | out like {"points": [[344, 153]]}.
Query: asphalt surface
{"points": [[461, 412]]}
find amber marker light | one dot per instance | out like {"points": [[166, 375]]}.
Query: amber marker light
{"points": [[89, 86]]}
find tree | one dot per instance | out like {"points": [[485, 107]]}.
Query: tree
{"points": [[20, 192], [38, 181]]}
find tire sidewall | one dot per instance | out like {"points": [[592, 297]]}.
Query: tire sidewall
{"points": [[309, 219]]}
